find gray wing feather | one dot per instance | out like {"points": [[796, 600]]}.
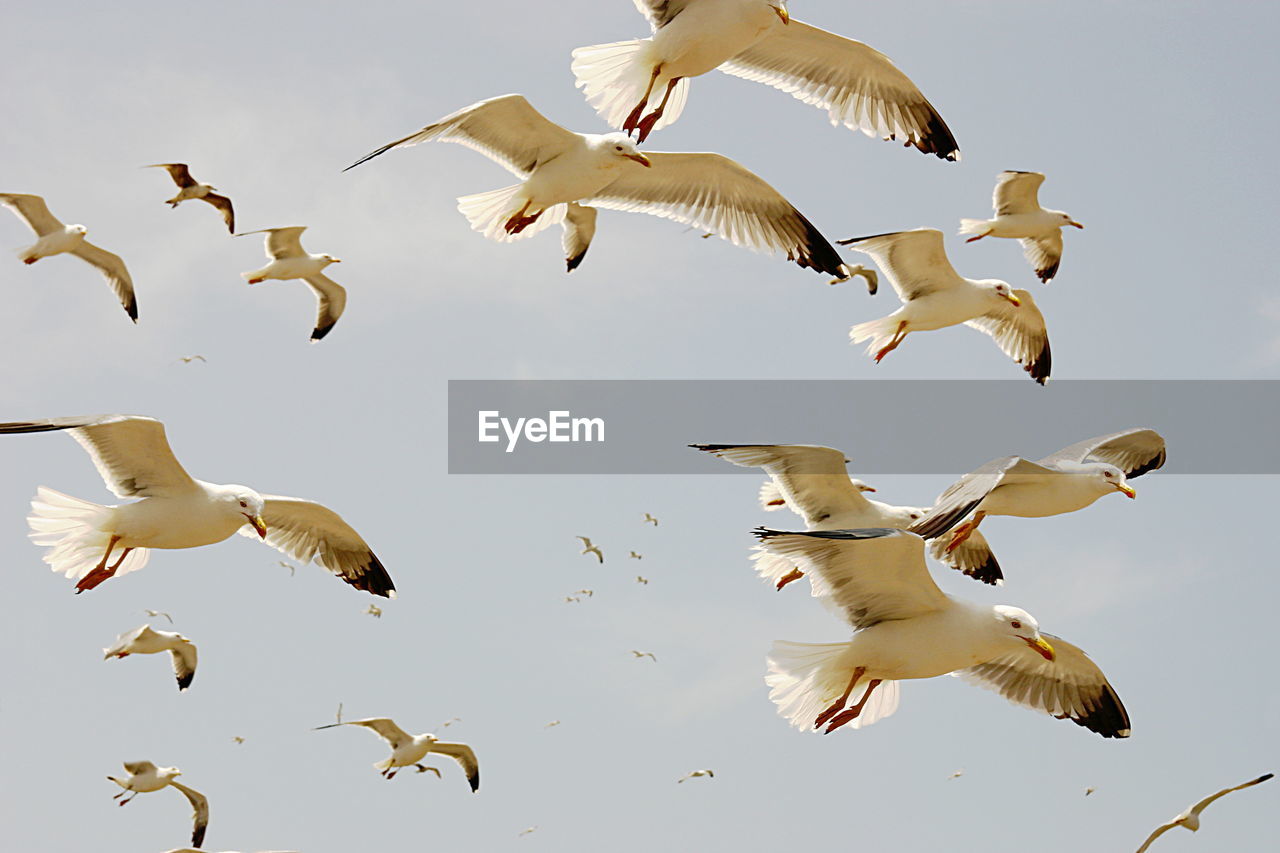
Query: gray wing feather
{"points": [[1134, 451]]}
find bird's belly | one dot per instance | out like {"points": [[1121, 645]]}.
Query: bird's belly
{"points": [[1036, 501], [927, 314], [171, 524], [56, 243], [409, 754], [1021, 225], [290, 268], [562, 182], [706, 35], [912, 648]]}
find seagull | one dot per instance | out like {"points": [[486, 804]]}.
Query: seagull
{"points": [[905, 627], [525, 831], [955, 775], [1088, 791], [649, 519], [633, 555], [588, 548], [857, 85], [1061, 482], [408, 750], [189, 188], [237, 739], [374, 610], [1190, 819], [641, 579], [290, 261], [935, 296], [565, 176], [145, 641], [154, 613], [144, 777], [695, 774], [175, 510], [56, 238], [187, 359], [552, 724], [1019, 216], [812, 482], [649, 655], [569, 599], [587, 592], [290, 566], [450, 722]]}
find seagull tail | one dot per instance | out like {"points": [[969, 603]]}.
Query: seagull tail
{"points": [[879, 332], [489, 212], [72, 528], [805, 678], [614, 78], [974, 226]]}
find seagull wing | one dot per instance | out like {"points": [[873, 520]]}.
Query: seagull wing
{"points": [[139, 768], [115, 272], [579, 225], [131, 452], [224, 207], [506, 129], [461, 753], [125, 641], [1070, 687], [1200, 806], [200, 803], [281, 242], [872, 575], [331, 300], [1021, 334], [915, 261], [382, 727], [962, 496], [812, 479], [1134, 451], [1044, 254], [973, 557], [306, 530], [857, 85], [1159, 831], [178, 171], [32, 210], [184, 663], [712, 192], [660, 12], [1017, 192]]}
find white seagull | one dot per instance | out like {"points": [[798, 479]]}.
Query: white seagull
{"points": [[639, 654], [905, 627], [189, 188], [565, 176], [1019, 216], [154, 613], [1190, 819], [1061, 482], [649, 519], [145, 641], [409, 750], [857, 85], [588, 548], [144, 778], [935, 296], [56, 238], [289, 261], [175, 510], [812, 482], [696, 774]]}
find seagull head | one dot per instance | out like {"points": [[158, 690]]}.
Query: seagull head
{"points": [[77, 229], [621, 145], [248, 504], [1110, 477], [1005, 292], [330, 259], [1022, 626], [781, 9], [1067, 220]]}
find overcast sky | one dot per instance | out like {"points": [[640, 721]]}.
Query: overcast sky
{"points": [[1151, 121]]}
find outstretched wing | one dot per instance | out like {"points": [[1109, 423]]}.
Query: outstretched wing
{"points": [[331, 301], [114, 271], [579, 228], [32, 210], [960, 498], [184, 663], [1044, 254], [811, 479], [1133, 451], [382, 727], [178, 171], [224, 207], [465, 757], [200, 817], [915, 261], [1021, 334], [1016, 192]]}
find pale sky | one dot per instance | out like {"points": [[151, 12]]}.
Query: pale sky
{"points": [[1150, 120]]}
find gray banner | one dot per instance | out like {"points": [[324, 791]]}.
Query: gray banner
{"points": [[885, 427]]}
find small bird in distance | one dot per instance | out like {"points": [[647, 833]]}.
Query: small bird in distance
{"points": [[695, 774], [588, 548], [190, 189], [1190, 819], [649, 655]]}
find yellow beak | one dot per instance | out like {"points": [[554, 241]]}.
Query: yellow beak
{"points": [[1015, 300], [1041, 647], [641, 159], [258, 524], [1126, 490], [783, 13], [1076, 224]]}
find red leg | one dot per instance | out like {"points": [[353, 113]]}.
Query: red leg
{"points": [[793, 575], [100, 572], [898, 337], [964, 531], [839, 703], [634, 118], [646, 126], [975, 239], [852, 714]]}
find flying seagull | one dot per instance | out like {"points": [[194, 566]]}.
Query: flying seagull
{"points": [[374, 610], [649, 655], [696, 774], [935, 296], [588, 548], [905, 627], [189, 188], [290, 261], [633, 555], [565, 176], [1190, 819], [409, 750], [187, 359], [1061, 482], [145, 641], [1019, 216], [56, 238], [649, 519], [144, 778], [175, 510], [154, 613], [857, 85], [642, 580]]}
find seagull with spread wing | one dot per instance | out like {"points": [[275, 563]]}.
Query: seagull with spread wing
{"points": [[857, 85], [905, 627], [146, 641], [565, 176], [56, 239], [935, 296], [145, 778], [1190, 819], [1066, 481], [409, 750], [289, 261], [1019, 216], [589, 548], [175, 510], [190, 189]]}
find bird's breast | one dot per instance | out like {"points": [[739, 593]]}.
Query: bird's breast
{"points": [[708, 34], [170, 523]]}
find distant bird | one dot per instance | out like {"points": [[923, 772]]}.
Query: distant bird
{"points": [[189, 188], [955, 775], [449, 722], [1019, 216], [649, 519], [408, 750], [289, 261], [237, 739], [695, 774], [1190, 819], [552, 724], [636, 556], [587, 592], [649, 655], [187, 359], [935, 296], [145, 641], [565, 176], [290, 566], [374, 610], [1088, 791], [133, 456], [642, 579], [571, 599], [144, 778], [56, 239], [154, 613], [588, 548], [525, 831], [857, 85]]}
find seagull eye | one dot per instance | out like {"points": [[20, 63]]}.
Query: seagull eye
{"points": [[1015, 623], [243, 504], [1108, 475]]}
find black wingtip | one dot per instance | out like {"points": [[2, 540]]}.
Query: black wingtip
{"points": [[320, 331], [814, 251], [766, 533], [475, 782], [988, 573], [1106, 716], [572, 264], [849, 241], [185, 681], [1041, 365], [1047, 273], [374, 579], [1156, 462]]}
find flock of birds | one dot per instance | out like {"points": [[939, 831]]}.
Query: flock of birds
{"points": [[863, 558]]}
